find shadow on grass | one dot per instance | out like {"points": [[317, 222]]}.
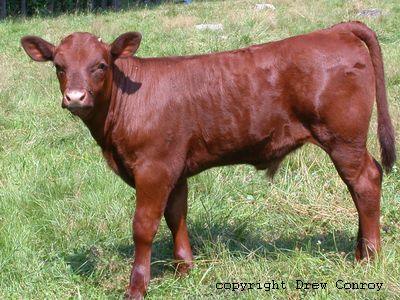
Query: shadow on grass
{"points": [[83, 262], [239, 241]]}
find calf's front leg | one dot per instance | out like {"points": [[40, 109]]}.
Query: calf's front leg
{"points": [[153, 186]]}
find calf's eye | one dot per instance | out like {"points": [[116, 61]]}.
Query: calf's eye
{"points": [[59, 70], [102, 66]]}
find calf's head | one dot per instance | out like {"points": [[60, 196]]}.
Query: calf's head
{"points": [[83, 65]]}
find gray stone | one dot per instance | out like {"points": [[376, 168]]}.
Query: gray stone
{"points": [[210, 27], [260, 6], [371, 12]]}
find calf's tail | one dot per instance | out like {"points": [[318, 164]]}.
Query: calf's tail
{"points": [[385, 128]]}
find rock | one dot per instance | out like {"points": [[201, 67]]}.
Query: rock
{"points": [[210, 27], [260, 6], [249, 198], [371, 12]]}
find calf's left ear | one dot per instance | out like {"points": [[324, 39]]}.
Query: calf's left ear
{"points": [[126, 45], [37, 48]]}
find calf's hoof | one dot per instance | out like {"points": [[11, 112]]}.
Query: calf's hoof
{"points": [[366, 251], [132, 294], [183, 268]]}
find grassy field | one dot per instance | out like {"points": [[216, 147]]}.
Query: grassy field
{"points": [[65, 218]]}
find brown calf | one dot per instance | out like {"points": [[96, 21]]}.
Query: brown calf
{"points": [[160, 120]]}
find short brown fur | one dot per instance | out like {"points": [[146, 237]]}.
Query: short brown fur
{"points": [[160, 120]]}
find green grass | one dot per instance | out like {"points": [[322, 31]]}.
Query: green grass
{"points": [[65, 219]]}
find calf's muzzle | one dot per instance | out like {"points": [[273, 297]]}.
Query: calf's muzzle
{"points": [[74, 99]]}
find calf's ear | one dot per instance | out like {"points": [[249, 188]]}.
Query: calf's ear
{"points": [[37, 48], [125, 45]]}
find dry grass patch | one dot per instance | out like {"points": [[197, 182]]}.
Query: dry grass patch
{"points": [[179, 22]]}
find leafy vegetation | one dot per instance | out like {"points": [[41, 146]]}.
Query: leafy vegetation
{"points": [[65, 218], [50, 7]]}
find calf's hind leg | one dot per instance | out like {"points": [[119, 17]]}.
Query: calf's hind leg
{"points": [[175, 215], [363, 176]]}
